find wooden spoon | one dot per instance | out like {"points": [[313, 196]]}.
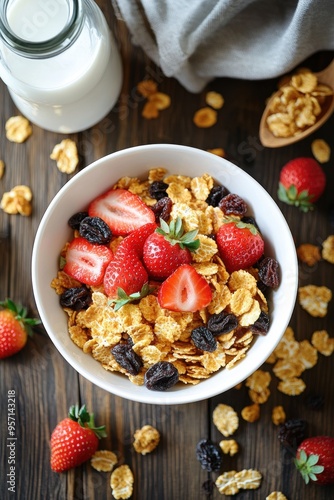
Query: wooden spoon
{"points": [[268, 139]]}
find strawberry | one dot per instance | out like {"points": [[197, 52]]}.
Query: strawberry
{"points": [[185, 290], [240, 244], [86, 262], [136, 239], [315, 459], [74, 440], [125, 272], [14, 328], [302, 181], [167, 248], [122, 210]]}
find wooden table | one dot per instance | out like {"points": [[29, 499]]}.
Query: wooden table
{"points": [[44, 383]]}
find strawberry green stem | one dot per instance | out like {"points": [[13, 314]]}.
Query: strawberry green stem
{"points": [[86, 419]]}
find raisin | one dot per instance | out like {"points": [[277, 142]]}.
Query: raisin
{"points": [[127, 358], [209, 455], [222, 323], [75, 220], [314, 401], [261, 325], [207, 487], [232, 204], [216, 194], [268, 272], [157, 190], [161, 376], [203, 339], [292, 433], [76, 298], [95, 230], [162, 209]]}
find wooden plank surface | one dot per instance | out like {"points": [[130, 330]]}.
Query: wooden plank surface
{"points": [[45, 385]]}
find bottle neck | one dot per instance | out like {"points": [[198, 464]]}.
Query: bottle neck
{"points": [[27, 32]]}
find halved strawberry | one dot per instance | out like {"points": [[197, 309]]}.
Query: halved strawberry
{"points": [[122, 210], [136, 239], [86, 262], [126, 272], [185, 290]]}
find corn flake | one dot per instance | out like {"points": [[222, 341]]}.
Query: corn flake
{"points": [[225, 419], [2, 168], [205, 117], [147, 87], [278, 415], [103, 460], [17, 201], [121, 482], [146, 439], [309, 254], [66, 156], [229, 447], [292, 387], [251, 413], [322, 342], [248, 479], [160, 100], [214, 99], [328, 249], [314, 299], [258, 381], [321, 150], [276, 495], [18, 129]]}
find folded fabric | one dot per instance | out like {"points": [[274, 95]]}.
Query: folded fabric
{"points": [[196, 41]]}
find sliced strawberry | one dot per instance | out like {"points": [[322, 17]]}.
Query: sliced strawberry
{"points": [[125, 271], [185, 290], [86, 262], [121, 210]]}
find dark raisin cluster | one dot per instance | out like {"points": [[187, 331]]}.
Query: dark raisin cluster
{"points": [[292, 433], [76, 298], [162, 209], [158, 190], [127, 358], [161, 376], [209, 455], [204, 336], [232, 204]]}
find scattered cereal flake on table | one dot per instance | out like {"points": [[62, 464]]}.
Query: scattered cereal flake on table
{"points": [[259, 380], [103, 460], [227, 484], [278, 415], [248, 479], [259, 397], [121, 482], [214, 99], [205, 117], [321, 150], [66, 156], [160, 100], [251, 413], [309, 254], [18, 129], [229, 446], [147, 87], [288, 368], [146, 439], [2, 168], [276, 495], [314, 299], [322, 342], [328, 249], [288, 346], [217, 151], [225, 419], [17, 201], [307, 354], [150, 110], [292, 387]]}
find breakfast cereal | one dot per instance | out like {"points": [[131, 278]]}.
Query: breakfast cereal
{"points": [[328, 249], [17, 201], [18, 129], [225, 419], [146, 439], [229, 447], [321, 150], [121, 482], [103, 460], [66, 155]]}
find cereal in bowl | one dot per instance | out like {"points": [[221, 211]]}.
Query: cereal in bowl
{"points": [[164, 279]]}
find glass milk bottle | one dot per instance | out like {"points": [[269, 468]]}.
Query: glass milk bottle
{"points": [[59, 61]]}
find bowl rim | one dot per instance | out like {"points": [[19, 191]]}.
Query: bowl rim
{"points": [[152, 397]]}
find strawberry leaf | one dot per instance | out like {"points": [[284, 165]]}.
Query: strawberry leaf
{"points": [[86, 420], [174, 234], [123, 298], [307, 466]]}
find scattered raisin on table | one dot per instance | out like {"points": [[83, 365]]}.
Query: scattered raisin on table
{"points": [[127, 358], [204, 339], [261, 325], [76, 298], [216, 194], [74, 221], [162, 209], [222, 323], [209, 455], [95, 230], [292, 433], [161, 376], [233, 204], [157, 190], [268, 272]]}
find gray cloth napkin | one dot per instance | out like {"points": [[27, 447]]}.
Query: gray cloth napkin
{"points": [[198, 40]]}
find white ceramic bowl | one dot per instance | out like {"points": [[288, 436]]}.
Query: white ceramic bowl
{"points": [[53, 232]]}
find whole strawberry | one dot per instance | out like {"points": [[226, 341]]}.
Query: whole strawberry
{"points": [[74, 440], [240, 244], [302, 181], [315, 459], [167, 248], [14, 328]]}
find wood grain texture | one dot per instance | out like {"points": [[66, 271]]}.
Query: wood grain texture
{"points": [[45, 385]]}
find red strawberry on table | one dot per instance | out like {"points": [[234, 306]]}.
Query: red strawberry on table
{"points": [[167, 248], [302, 181], [122, 210], [86, 262], [14, 328], [240, 244], [315, 459], [185, 290], [74, 440]]}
